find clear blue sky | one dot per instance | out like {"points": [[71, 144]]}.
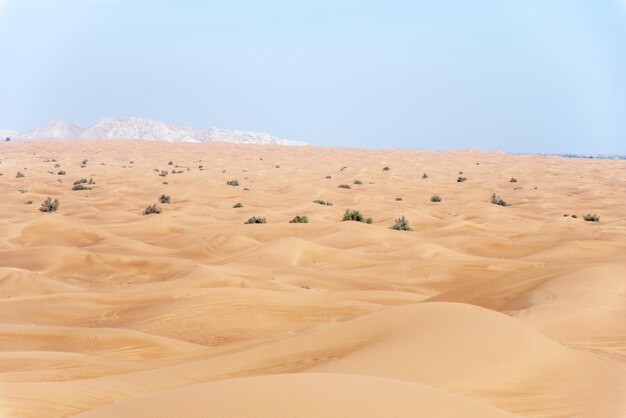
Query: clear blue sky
{"points": [[525, 75]]}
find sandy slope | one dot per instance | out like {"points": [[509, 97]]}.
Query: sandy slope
{"points": [[481, 311]]}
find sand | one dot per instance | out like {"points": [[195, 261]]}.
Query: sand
{"points": [[479, 311]]}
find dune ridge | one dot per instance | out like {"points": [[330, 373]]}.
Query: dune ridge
{"points": [[479, 311]]}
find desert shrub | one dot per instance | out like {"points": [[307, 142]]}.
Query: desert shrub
{"points": [[84, 162], [461, 179], [49, 205], [591, 217], [163, 173], [80, 186], [238, 205], [435, 198], [424, 176], [402, 224], [19, 174], [355, 215], [170, 163], [497, 200], [328, 177], [323, 202], [61, 173], [513, 180], [398, 199], [386, 168], [343, 168], [233, 182], [28, 202], [357, 181], [23, 191], [246, 189], [574, 216], [165, 199], [344, 186], [277, 166], [150, 209], [57, 165], [256, 220], [201, 167], [300, 220]]}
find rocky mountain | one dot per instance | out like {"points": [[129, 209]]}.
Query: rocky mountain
{"points": [[145, 129]]}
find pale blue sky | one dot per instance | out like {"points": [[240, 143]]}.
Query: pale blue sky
{"points": [[521, 76]]}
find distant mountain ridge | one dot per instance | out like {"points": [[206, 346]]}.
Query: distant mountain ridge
{"points": [[144, 129]]}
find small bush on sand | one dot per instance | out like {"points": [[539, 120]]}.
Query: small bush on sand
{"points": [[49, 205], [165, 199], [435, 198], [19, 174], [300, 220], [61, 173], [28, 202], [344, 186], [150, 209], [355, 215], [386, 168], [357, 181], [233, 182], [163, 173], [256, 220], [238, 205], [513, 180], [398, 199], [402, 224], [424, 176], [497, 200], [323, 202], [461, 179], [591, 217], [328, 177]]}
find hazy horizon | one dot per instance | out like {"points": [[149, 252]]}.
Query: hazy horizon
{"points": [[517, 77]]}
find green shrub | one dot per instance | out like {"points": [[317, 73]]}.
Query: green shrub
{"points": [[80, 186], [256, 220], [358, 182], [402, 224], [497, 200], [355, 215], [233, 183], [300, 220], [435, 198], [344, 186], [49, 205], [150, 209], [323, 202], [238, 205], [19, 174], [591, 217], [165, 199]]}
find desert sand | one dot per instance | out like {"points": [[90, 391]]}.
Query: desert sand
{"points": [[480, 311]]}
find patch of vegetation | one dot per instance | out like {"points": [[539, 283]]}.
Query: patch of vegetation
{"points": [[233, 182], [355, 215], [170, 163], [256, 220], [402, 224], [61, 173], [591, 217], [246, 189], [80, 186], [150, 209], [344, 186], [424, 176], [497, 200], [461, 179], [343, 168], [19, 174], [28, 202], [322, 202], [398, 199], [163, 173], [165, 199], [22, 191], [49, 205], [513, 180], [238, 205], [574, 216], [328, 177], [435, 198], [386, 168], [357, 181], [300, 220]]}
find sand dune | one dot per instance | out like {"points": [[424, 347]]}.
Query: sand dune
{"points": [[480, 311]]}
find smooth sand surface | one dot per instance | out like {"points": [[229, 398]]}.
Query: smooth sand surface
{"points": [[480, 311]]}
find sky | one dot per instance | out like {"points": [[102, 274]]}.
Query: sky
{"points": [[518, 76]]}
